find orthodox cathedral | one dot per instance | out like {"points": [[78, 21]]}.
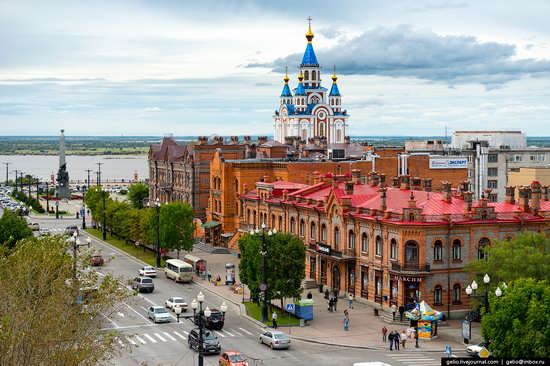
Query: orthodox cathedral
{"points": [[308, 111]]}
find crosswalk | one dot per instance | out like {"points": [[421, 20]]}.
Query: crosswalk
{"points": [[180, 335], [414, 359]]}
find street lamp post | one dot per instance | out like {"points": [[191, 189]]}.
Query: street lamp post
{"points": [[56, 209], [263, 287], [484, 296], [202, 313], [103, 229], [157, 205], [76, 244]]}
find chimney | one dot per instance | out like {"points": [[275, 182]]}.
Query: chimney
{"points": [[464, 186], [262, 140], [347, 140], [374, 179], [523, 200], [412, 201], [245, 188], [535, 196], [383, 206], [349, 188], [218, 140], [316, 177], [405, 182], [428, 184], [446, 191], [288, 140], [266, 178], [382, 179], [545, 193], [484, 197], [285, 194], [468, 201], [202, 140], [355, 175], [395, 182], [234, 140], [510, 194], [416, 183], [247, 140], [324, 142]]}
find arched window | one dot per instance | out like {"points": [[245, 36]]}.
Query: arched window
{"points": [[248, 216], [304, 134], [273, 221], [324, 233], [378, 245], [280, 223], [322, 129], [306, 75], [456, 293], [438, 290], [313, 75], [364, 243], [411, 217], [457, 249], [255, 218], [393, 249], [292, 225], [302, 228], [351, 240], [214, 182], [312, 231], [332, 102], [338, 135], [483, 215], [481, 247], [438, 250], [336, 237], [237, 208], [411, 253], [236, 185]]}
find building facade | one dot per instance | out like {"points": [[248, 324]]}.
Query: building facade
{"points": [[393, 245]]}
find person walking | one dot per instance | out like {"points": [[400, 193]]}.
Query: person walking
{"points": [[384, 334], [401, 312], [309, 295], [209, 275], [274, 319], [330, 305], [403, 339], [335, 302], [327, 296], [346, 320], [393, 311], [396, 339], [350, 301], [390, 339]]}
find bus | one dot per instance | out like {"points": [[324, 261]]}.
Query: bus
{"points": [[178, 270]]}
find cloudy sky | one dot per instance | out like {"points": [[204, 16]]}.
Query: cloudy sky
{"points": [[206, 67]]}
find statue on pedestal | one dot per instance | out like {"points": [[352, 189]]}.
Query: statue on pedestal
{"points": [[63, 190]]}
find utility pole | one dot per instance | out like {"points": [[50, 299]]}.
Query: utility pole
{"points": [[7, 167], [88, 181], [15, 181], [99, 173]]}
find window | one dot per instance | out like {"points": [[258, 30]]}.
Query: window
{"points": [[313, 75], [312, 231], [492, 172], [365, 243], [336, 237], [516, 158], [302, 228], [324, 233], [457, 248], [438, 290], [378, 245], [306, 75], [248, 216], [292, 225], [280, 223], [411, 252], [411, 216], [351, 240], [456, 293], [492, 158], [481, 246], [493, 184], [236, 185], [537, 158], [438, 250], [493, 197], [393, 249]]}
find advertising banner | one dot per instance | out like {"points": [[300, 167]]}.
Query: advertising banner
{"points": [[448, 163], [424, 329]]}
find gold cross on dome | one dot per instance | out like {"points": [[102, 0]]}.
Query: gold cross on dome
{"points": [[309, 19]]}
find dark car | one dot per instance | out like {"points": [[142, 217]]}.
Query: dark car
{"points": [[70, 230], [143, 284], [208, 345], [215, 321], [96, 260]]}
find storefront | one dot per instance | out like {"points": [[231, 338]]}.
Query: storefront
{"points": [[335, 277], [312, 266], [394, 292], [410, 286], [351, 278], [378, 286], [324, 251], [365, 282]]}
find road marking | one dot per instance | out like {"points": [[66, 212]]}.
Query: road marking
{"points": [[129, 326], [131, 341], [234, 331], [120, 342], [159, 337], [186, 332], [150, 338], [246, 331], [225, 331], [179, 335], [220, 334], [135, 311], [169, 336], [140, 339], [116, 326]]}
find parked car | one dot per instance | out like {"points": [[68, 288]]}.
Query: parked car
{"points": [[474, 349], [70, 230], [232, 358], [176, 302], [158, 314], [148, 271], [34, 226], [275, 339], [96, 260], [44, 231], [143, 284], [215, 321], [209, 344]]}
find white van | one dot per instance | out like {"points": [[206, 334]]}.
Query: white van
{"points": [[178, 270]]}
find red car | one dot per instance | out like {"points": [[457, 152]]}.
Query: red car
{"points": [[97, 260], [232, 358]]}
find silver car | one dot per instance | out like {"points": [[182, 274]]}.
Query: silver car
{"points": [[158, 314], [275, 339]]}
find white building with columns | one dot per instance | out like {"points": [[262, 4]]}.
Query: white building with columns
{"points": [[312, 110]]}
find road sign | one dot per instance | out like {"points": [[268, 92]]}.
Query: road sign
{"points": [[263, 287], [290, 308], [448, 350], [484, 352], [467, 329]]}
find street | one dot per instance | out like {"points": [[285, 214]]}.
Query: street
{"points": [[144, 343]]}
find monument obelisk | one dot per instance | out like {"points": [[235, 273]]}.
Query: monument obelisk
{"points": [[63, 190]]}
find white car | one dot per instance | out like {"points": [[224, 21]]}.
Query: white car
{"points": [[44, 231], [148, 271], [176, 302], [275, 339], [474, 349], [158, 314]]}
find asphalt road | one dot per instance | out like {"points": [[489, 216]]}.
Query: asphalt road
{"points": [[144, 343]]}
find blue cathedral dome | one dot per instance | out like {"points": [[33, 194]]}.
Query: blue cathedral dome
{"points": [[310, 59]]}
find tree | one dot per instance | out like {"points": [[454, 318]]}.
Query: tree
{"points": [[137, 192], [527, 255], [41, 320], [12, 229], [518, 324], [94, 200], [176, 226]]}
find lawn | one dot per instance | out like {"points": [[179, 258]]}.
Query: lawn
{"points": [[145, 255], [255, 311]]}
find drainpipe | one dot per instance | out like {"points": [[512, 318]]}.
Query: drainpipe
{"points": [[449, 269]]}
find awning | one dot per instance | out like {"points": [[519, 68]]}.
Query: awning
{"points": [[210, 224]]}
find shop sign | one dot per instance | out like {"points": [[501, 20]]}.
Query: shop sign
{"points": [[325, 249], [407, 278], [449, 163]]}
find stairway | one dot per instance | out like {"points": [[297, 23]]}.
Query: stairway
{"points": [[387, 317], [309, 284], [210, 249]]}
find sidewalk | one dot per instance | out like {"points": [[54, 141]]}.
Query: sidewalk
{"points": [[327, 327]]}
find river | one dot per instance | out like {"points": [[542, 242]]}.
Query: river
{"points": [[43, 166]]}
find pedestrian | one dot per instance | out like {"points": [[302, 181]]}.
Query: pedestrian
{"points": [[390, 339], [403, 339], [208, 275], [401, 312], [346, 320], [274, 319], [384, 334], [396, 339], [330, 305], [335, 302], [309, 295], [393, 311], [327, 295], [350, 301]]}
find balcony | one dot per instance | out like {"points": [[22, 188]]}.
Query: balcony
{"points": [[410, 267]]}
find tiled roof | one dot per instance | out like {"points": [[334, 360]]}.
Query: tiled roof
{"points": [[169, 150]]}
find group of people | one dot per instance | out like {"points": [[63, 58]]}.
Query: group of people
{"points": [[401, 312], [394, 338]]}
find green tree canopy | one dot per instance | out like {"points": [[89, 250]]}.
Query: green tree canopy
{"points": [[518, 323], [41, 321], [137, 192], [176, 226], [94, 200], [12, 229]]}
